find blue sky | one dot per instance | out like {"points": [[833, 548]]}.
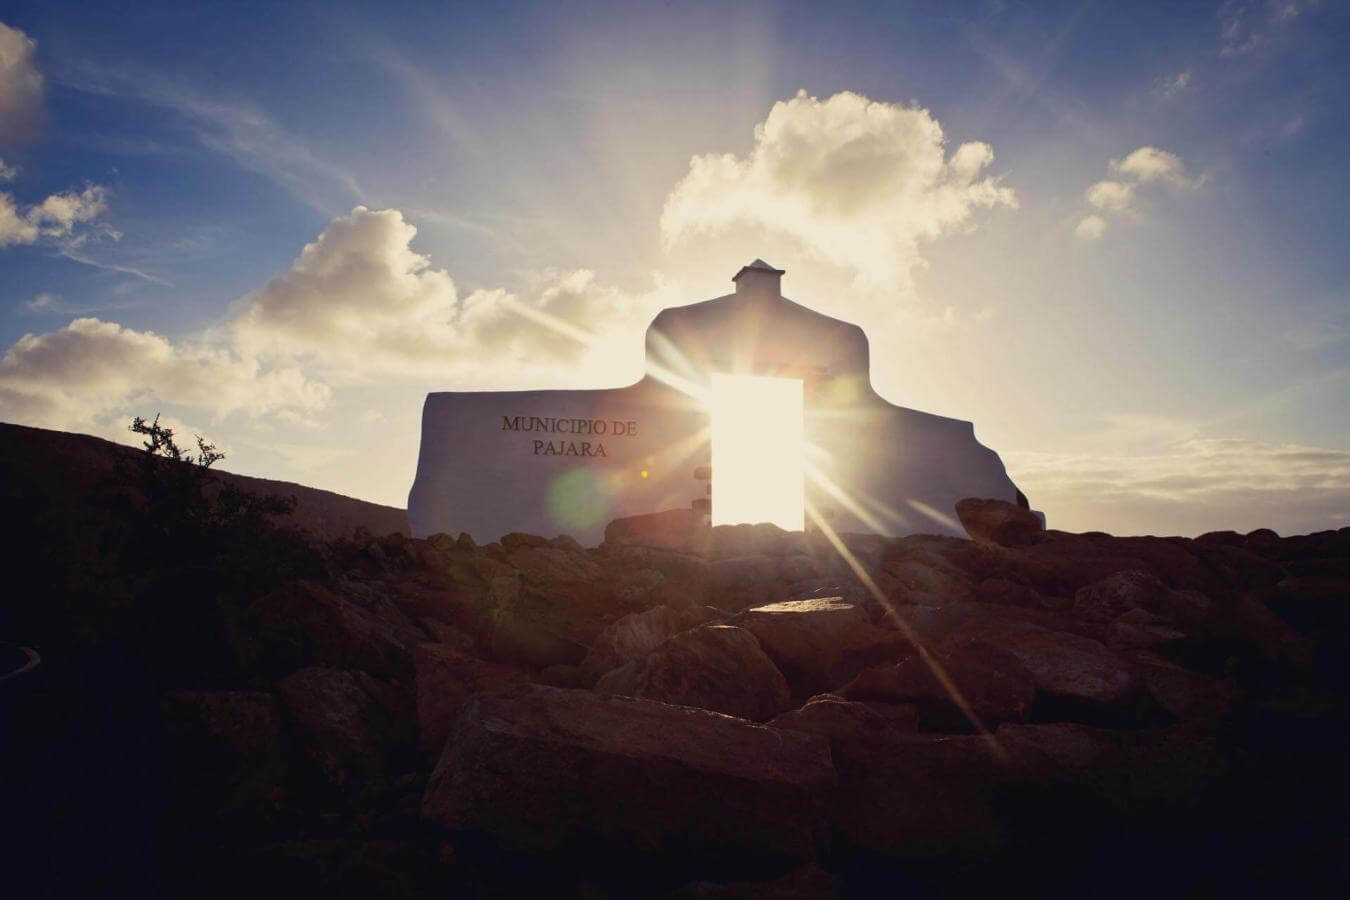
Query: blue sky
{"points": [[1111, 235]]}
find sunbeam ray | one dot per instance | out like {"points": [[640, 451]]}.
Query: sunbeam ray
{"points": [[909, 634]]}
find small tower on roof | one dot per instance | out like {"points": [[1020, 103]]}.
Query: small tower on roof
{"points": [[759, 278]]}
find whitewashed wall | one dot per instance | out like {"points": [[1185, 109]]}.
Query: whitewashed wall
{"points": [[486, 468]]}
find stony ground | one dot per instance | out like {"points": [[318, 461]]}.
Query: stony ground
{"points": [[735, 712]]}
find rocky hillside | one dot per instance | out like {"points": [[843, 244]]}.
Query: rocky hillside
{"points": [[62, 471], [734, 712]]}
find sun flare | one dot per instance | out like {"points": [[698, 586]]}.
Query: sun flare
{"points": [[757, 450]]}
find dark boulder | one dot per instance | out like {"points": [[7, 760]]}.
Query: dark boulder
{"points": [[1077, 674], [817, 644], [1119, 593], [353, 732], [832, 716], [521, 639], [717, 667], [635, 635], [999, 522], [446, 679], [225, 753], [631, 786], [951, 685], [674, 529], [305, 624]]}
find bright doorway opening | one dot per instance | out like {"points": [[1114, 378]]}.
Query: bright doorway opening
{"points": [[757, 450]]}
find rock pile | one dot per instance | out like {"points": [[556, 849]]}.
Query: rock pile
{"points": [[738, 714]]}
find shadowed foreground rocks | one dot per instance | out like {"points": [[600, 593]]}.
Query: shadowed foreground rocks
{"points": [[631, 787], [687, 712]]}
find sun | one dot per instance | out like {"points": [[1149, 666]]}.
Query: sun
{"points": [[757, 450]]}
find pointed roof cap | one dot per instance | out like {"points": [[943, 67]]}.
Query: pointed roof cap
{"points": [[758, 265]]}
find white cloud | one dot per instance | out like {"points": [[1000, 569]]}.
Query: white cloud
{"points": [[91, 369], [1194, 485], [184, 434], [1090, 227], [20, 87], [55, 217], [357, 302], [1245, 26], [8, 173], [1111, 195], [360, 301], [1144, 166], [1169, 87], [1148, 164], [857, 181], [43, 302]]}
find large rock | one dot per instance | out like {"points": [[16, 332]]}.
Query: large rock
{"points": [[740, 572], [637, 634], [918, 575], [353, 732], [1182, 693], [648, 576], [1059, 748], [1140, 628], [924, 797], [990, 685], [999, 522], [514, 637], [446, 679], [1119, 593], [717, 667], [932, 625], [727, 541], [674, 529], [1067, 667], [544, 564], [817, 644], [834, 717], [226, 764], [303, 624], [632, 786]]}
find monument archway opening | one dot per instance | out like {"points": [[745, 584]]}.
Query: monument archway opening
{"points": [[757, 450]]}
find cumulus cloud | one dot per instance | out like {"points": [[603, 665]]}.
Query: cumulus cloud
{"points": [[1090, 227], [1199, 485], [55, 217], [857, 181], [20, 86], [360, 301], [1149, 164], [8, 173], [1146, 165], [91, 369], [356, 303], [1110, 195]]}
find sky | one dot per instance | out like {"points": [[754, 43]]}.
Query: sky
{"points": [[1110, 235]]}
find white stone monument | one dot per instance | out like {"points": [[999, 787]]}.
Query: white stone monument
{"points": [[770, 399]]}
